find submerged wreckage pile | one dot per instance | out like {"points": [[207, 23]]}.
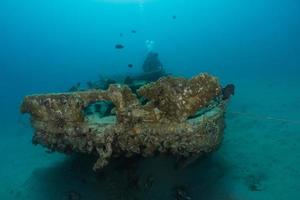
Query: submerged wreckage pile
{"points": [[182, 117]]}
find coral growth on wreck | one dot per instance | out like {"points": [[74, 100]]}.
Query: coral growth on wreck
{"points": [[161, 125]]}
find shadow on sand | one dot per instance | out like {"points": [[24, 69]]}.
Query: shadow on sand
{"points": [[129, 179]]}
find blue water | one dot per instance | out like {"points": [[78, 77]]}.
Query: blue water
{"points": [[49, 45]]}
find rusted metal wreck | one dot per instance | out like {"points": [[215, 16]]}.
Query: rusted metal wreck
{"points": [[181, 117]]}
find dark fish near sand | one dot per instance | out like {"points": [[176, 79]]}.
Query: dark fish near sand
{"points": [[119, 46], [130, 65], [227, 91]]}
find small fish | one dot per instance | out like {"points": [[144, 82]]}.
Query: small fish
{"points": [[174, 17], [119, 46], [133, 31], [227, 91], [121, 34], [130, 65]]}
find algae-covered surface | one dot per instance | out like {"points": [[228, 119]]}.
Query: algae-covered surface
{"points": [[61, 121]]}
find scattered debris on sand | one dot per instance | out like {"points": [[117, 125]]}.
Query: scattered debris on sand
{"points": [[181, 193], [254, 182]]}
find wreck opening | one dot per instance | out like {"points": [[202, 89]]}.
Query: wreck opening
{"points": [[206, 111], [100, 112]]}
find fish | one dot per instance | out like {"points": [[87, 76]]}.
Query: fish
{"points": [[121, 34], [130, 65], [227, 91], [133, 31], [119, 46], [174, 17]]}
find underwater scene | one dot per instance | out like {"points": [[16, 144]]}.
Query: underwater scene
{"points": [[150, 99]]}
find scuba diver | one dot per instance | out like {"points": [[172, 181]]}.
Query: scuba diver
{"points": [[152, 68]]}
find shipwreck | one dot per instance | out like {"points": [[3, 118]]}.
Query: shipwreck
{"points": [[174, 116]]}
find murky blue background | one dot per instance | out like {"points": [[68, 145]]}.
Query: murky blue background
{"points": [[49, 45]]}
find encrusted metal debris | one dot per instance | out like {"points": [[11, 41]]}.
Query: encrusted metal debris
{"points": [[168, 122]]}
